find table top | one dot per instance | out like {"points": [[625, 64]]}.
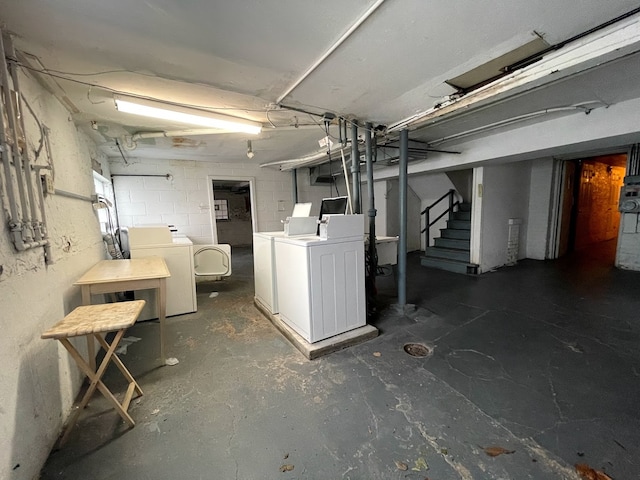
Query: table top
{"points": [[106, 317], [108, 271]]}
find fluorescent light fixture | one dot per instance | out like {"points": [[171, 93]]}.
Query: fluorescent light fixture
{"points": [[149, 108]]}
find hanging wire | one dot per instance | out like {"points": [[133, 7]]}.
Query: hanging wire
{"points": [[35, 117], [121, 152]]}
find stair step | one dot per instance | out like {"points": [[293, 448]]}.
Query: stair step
{"points": [[461, 215], [464, 207], [459, 224], [443, 264], [453, 233], [448, 253], [458, 243]]}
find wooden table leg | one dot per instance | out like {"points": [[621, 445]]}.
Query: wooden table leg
{"points": [[120, 365], [95, 378], [162, 311], [91, 347]]}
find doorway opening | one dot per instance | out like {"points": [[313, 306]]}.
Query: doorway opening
{"points": [[590, 219], [233, 216]]}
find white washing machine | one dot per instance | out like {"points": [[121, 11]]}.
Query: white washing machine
{"points": [[321, 291], [264, 257], [178, 254], [264, 269]]}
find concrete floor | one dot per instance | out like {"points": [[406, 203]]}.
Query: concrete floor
{"points": [[541, 358]]}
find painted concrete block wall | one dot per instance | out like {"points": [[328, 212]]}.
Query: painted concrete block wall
{"points": [[629, 242], [540, 201], [38, 380], [380, 198], [183, 200], [505, 195], [413, 215], [315, 193]]}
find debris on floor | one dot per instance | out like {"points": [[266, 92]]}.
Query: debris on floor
{"points": [[171, 361], [588, 473], [286, 468], [401, 466], [420, 465], [495, 451], [124, 344], [213, 294]]}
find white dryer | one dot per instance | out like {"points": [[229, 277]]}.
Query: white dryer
{"points": [[178, 254], [212, 260]]}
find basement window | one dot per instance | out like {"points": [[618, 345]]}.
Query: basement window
{"points": [[496, 68], [106, 216]]}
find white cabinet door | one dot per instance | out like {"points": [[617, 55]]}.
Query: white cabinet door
{"points": [[321, 289], [338, 293]]}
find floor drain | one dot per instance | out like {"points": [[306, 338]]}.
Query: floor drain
{"points": [[418, 350]]}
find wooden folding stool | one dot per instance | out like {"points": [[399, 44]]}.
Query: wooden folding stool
{"points": [[93, 321]]}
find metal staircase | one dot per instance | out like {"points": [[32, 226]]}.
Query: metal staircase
{"points": [[451, 251]]}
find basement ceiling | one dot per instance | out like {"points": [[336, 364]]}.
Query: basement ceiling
{"points": [[376, 61]]}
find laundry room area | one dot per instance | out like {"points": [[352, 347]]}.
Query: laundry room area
{"points": [[318, 240]]}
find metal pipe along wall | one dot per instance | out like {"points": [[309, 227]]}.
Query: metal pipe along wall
{"points": [[355, 168]]}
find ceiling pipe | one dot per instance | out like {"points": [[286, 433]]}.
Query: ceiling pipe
{"points": [[307, 160], [509, 121], [331, 49]]}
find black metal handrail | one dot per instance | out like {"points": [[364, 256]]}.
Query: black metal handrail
{"points": [[426, 212]]}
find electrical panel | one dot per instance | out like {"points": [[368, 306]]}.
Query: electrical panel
{"points": [[630, 195]]}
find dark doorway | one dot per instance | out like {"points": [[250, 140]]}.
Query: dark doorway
{"points": [[232, 209], [592, 189]]}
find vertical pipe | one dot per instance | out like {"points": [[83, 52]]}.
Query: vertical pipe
{"points": [[402, 244], [14, 220], [36, 224], [48, 255], [373, 258], [355, 167], [27, 230], [294, 184], [634, 160]]}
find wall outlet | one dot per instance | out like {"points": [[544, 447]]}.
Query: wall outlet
{"points": [[48, 183]]}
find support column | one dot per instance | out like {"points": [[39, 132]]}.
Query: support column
{"points": [[373, 257], [355, 168], [402, 243]]}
